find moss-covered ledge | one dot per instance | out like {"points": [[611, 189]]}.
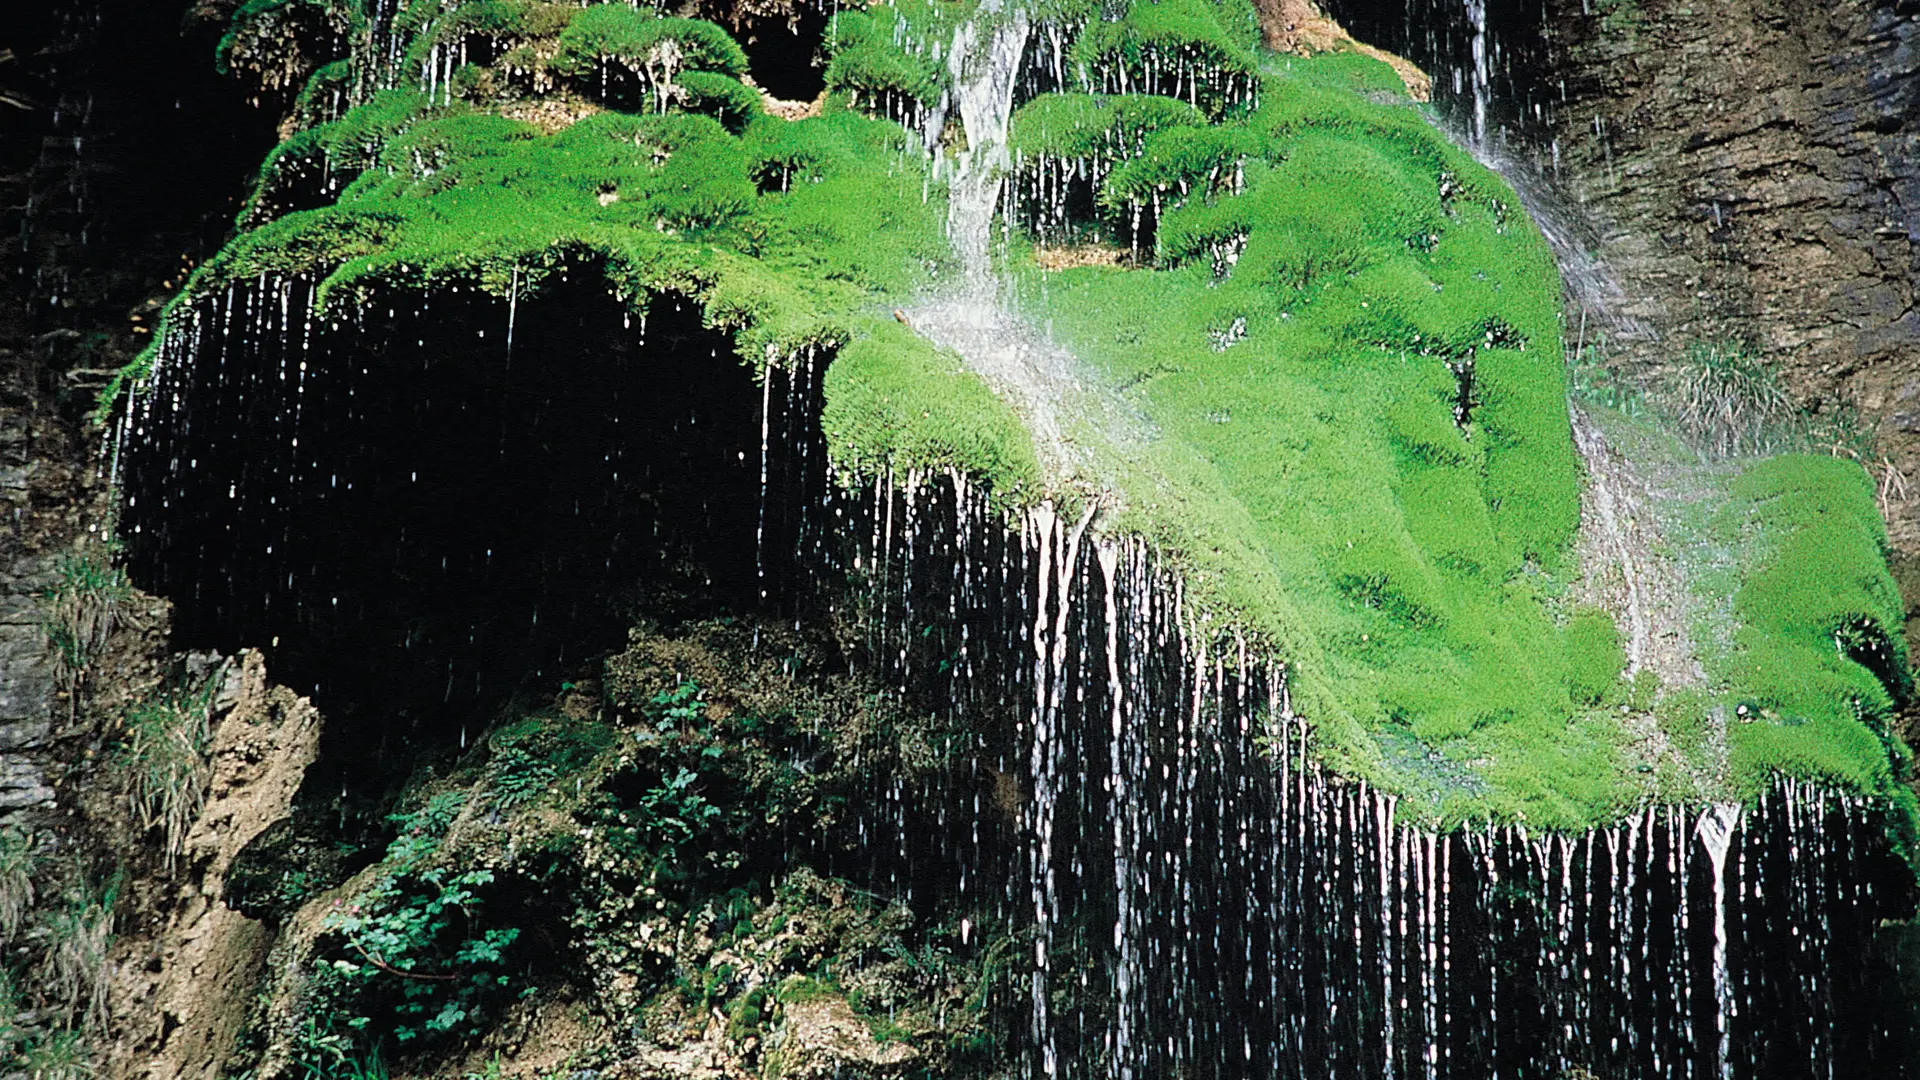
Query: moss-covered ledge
{"points": [[1342, 335]]}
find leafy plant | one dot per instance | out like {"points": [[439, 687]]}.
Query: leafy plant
{"points": [[677, 708], [415, 940], [82, 608], [167, 756], [412, 956]]}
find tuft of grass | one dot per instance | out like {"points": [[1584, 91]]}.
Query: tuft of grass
{"points": [[74, 969], [167, 738], [19, 863], [81, 610], [1728, 402], [14, 1035]]}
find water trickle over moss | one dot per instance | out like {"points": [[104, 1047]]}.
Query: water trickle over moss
{"points": [[1341, 333]]}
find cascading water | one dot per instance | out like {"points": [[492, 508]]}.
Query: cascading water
{"points": [[985, 64], [1203, 900], [1133, 801]]}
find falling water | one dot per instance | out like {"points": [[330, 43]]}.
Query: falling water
{"points": [[1199, 898], [1129, 794], [1482, 79], [985, 64]]}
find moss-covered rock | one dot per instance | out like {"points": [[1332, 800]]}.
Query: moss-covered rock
{"points": [[1342, 337]]}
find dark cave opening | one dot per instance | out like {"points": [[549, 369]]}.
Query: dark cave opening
{"points": [[785, 54], [416, 521], [1515, 38]]}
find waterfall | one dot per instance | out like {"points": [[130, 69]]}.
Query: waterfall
{"points": [[1135, 809], [1716, 831], [1481, 73], [1197, 897], [985, 65]]}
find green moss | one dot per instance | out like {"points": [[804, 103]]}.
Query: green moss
{"points": [[1594, 657], [1188, 49], [1349, 72], [1341, 342], [633, 37], [1816, 603], [1352, 358], [1106, 127], [895, 401], [882, 58]]}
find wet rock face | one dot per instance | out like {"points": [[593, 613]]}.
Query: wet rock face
{"points": [[1754, 171]]}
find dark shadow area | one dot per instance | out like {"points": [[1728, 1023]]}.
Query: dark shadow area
{"points": [[131, 155], [414, 520], [1439, 37], [785, 55]]}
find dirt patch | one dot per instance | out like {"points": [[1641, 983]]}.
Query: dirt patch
{"points": [[787, 110], [826, 1038], [1073, 256], [1301, 28], [550, 115]]}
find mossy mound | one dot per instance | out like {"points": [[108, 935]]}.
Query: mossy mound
{"points": [[1343, 334]]}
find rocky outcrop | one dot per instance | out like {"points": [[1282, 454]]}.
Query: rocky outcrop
{"points": [[1300, 26], [185, 995], [1754, 173]]}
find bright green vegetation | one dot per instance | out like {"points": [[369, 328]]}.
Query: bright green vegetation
{"points": [[1342, 338], [1350, 339], [1811, 661], [1796, 617], [1347, 334]]}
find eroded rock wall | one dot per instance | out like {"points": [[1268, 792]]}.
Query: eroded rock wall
{"points": [[1753, 171]]}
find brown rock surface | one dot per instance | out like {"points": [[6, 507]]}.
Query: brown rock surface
{"points": [[1754, 171], [181, 1021], [1299, 26]]}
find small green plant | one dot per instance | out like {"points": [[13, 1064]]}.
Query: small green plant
{"points": [[679, 707], [74, 969], [59, 1055], [167, 740], [1728, 402], [1620, 16], [322, 1054], [749, 1013], [412, 957], [1591, 380], [19, 859], [81, 610], [13, 1036], [530, 757]]}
